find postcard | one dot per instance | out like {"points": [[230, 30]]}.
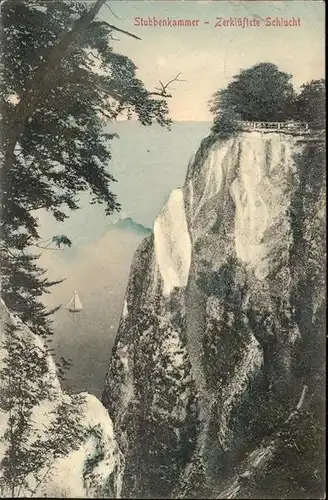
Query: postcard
{"points": [[162, 249]]}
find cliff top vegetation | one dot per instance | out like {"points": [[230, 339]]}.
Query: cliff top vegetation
{"points": [[264, 93]]}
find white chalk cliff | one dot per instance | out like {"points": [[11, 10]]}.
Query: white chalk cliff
{"points": [[91, 467], [221, 321]]}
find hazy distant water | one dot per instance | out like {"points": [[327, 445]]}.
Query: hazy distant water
{"points": [[148, 162], [99, 271]]}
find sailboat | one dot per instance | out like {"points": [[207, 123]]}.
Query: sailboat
{"points": [[74, 304]]}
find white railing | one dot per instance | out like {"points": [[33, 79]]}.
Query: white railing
{"points": [[251, 125]]}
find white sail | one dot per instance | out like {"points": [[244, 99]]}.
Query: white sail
{"points": [[70, 303], [78, 305], [74, 304]]}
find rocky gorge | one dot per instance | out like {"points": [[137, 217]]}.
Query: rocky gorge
{"points": [[215, 384]]}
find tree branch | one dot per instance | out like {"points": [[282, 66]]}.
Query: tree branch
{"points": [[42, 478], [44, 79], [111, 92], [108, 7], [115, 28], [162, 90]]}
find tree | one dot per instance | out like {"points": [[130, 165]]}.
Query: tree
{"points": [[311, 103], [61, 240], [260, 93], [26, 382], [225, 124], [61, 81]]}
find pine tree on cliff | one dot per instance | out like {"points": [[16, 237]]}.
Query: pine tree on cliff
{"points": [[53, 109]]}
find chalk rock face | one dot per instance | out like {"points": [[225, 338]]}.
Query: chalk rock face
{"points": [[221, 313], [84, 459]]}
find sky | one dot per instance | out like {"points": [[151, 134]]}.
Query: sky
{"points": [[209, 56]]}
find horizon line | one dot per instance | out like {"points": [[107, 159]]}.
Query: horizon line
{"points": [[173, 121]]}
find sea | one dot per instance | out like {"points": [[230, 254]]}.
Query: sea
{"points": [[147, 163]]}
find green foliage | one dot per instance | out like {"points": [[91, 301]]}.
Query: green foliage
{"points": [[66, 431], [98, 456], [264, 93], [26, 382], [311, 104], [62, 147], [260, 93], [225, 124], [23, 282], [61, 240], [91, 480]]}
